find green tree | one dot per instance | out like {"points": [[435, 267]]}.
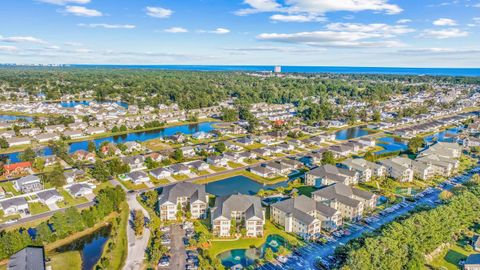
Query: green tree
{"points": [[138, 222], [91, 147], [415, 143], [3, 143], [55, 177], [269, 256], [178, 154], [328, 158], [28, 155], [220, 147]]}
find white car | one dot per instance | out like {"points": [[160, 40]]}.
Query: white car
{"points": [[282, 259]]}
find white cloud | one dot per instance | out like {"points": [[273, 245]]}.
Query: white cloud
{"points": [[64, 2], [8, 48], [404, 21], [444, 22], [318, 7], [176, 30], [331, 39], [73, 44], [82, 11], [297, 18], [382, 29], [159, 12], [444, 33], [22, 39], [107, 26], [440, 51], [477, 5], [218, 31]]}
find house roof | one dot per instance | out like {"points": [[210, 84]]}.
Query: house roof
{"points": [[28, 179], [332, 172], [11, 167], [343, 194], [250, 205], [47, 194], [183, 189], [29, 258], [137, 175], [300, 206], [473, 259], [75, 188], [13, 202]]}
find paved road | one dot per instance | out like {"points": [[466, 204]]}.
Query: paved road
{"points": [[309, 253], [42, 215]]}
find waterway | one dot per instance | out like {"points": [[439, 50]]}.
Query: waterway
{"points": [[90, 247], [135, 136]]}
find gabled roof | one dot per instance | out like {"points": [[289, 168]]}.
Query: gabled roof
{"points": [[183, 189], [343, 194], [29, 258], [250, 205]]}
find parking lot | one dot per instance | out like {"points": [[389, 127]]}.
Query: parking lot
{"points": [[304, 257]]}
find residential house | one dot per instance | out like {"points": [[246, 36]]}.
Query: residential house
{"points": [[262, 171], [246, 210], [72, 175], [54, 128], [80, 189], [188, 151], [183, 193], [50, 196], [179, 168], [443, 149], [27, 184], [351, 202], [73, 134], [29, 258], [16, 205], [50, 160], [160, 173], [138, 177], [305, 216], [132, 147], [83, 155], [278, 167], [199, 165], [17, 168], [15, 141], [330, 174], [95, 130], [218, 161], [136, 163], [30, 131], [7, 134]]}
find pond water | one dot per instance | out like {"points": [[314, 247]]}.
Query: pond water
{"points": [[445, 135], [246, 257], [391, 144], [8, 118], [90, 247], [351, 133], [239, 184], [73, 103], [135, 136]]}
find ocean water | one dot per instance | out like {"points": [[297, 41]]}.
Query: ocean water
{"points": [[307, 69]]}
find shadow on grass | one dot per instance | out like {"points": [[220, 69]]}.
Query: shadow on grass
{"points": [[454, 257]]}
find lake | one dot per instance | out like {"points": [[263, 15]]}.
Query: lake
{"points": [[73, 103], [351, 133], [135, 136], [90, 247], [239, 184], [8, 118]]}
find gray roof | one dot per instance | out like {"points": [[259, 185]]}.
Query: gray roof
{"points": [[332, 172], [183, 189], [47, 194], [28, 179], [75, 188], [300, 206], [250, 205], [137, 175], [13, 201], [29, 258], [343, 194]]}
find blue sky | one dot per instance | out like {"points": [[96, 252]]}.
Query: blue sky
{"points": [[408, 33]]}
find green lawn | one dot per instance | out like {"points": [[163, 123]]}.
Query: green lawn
{"points": [[306, 190], [217, 169], [158, 182], [234, 165], [218, 247], [8, 187], [203, 172], [450, 258], [68, 200], [131, 186], [180, 177], [37, 208], [102, 186], [71, 260]]}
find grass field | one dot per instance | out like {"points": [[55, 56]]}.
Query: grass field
{"points": [[71, 260], [68, 200], [38, 208], [450, 258], [221, 245]]}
